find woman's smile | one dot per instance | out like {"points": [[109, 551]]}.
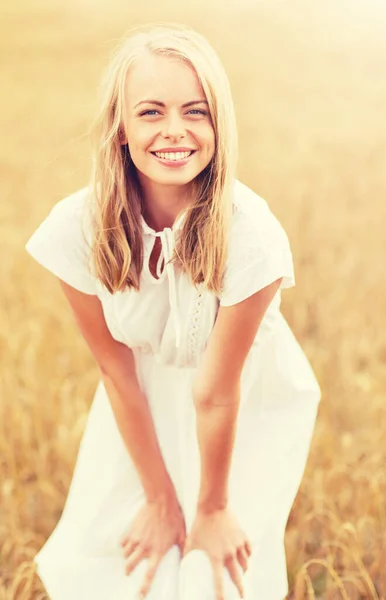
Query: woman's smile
{"points": [[173, 159]]}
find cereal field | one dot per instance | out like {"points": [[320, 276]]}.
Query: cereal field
{"points": [[309, 84]]}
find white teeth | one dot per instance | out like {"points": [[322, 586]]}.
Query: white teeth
{"points": [[173, 155]]}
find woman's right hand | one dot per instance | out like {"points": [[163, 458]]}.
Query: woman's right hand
{"points": [[157, 527]]}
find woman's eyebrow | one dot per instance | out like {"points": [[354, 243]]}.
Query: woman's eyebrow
{"points": [[158, 103]]}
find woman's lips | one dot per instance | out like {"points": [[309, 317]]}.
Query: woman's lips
{"points": [[173, 163]]}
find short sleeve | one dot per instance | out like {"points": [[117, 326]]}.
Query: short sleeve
{"points": [[259, 253], [61, 242]]}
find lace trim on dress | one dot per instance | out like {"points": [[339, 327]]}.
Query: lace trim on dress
{"points": [[195, 322]]}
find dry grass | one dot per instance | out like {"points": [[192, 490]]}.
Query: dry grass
{"points": [[309, 82]]}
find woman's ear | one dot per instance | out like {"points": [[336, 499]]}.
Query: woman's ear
{"points": [[122, 136]]}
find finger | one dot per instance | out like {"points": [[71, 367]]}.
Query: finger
{"points": [[242, 557], [181, 550], [149, 576], [126, 536], [217, 579], [136, 557], [187, 547], [234, 572], [130, 547], [182, 541], [248, 547]]}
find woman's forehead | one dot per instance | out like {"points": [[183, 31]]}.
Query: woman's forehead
{"points": [[164, 78]]}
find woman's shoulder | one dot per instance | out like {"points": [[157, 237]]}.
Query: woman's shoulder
{"points": [[259, 251], [246, 199], [75, 204], [73, 214], [248, 205], [61, 241], [254, 217]]}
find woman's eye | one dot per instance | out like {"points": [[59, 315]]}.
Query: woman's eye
{"points": [[147, 112], [198, 111]]}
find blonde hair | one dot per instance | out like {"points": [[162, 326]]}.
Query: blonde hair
{"points": [[117, 244]]}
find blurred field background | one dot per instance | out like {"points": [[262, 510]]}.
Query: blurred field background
{"points": [[309, 84]]}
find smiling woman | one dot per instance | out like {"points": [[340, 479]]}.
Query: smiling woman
{"points": [[199, 432]]}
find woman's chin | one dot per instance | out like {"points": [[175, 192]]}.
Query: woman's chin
{"points": [[172, 178]]}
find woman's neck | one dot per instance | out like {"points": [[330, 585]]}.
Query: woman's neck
{"points": [[162, 204]]}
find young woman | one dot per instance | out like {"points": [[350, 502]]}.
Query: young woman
{"points": [[200, 428]]}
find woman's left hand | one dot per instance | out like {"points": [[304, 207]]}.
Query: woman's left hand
{"points": [[219, 535]]}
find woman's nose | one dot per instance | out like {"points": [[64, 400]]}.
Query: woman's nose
{"points": [[173, 127]]}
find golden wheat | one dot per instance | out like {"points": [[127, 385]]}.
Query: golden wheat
{"points": [[309, 82]]}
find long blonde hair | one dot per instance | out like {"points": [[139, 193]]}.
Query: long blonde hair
{"points": [[117, 245]]}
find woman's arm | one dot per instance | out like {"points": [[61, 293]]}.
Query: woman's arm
{"points": [[159, 524], [216, 392], [129, 404]]}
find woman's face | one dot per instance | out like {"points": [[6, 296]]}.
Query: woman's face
{"points": [[167, 123]]}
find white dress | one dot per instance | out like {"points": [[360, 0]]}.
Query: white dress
{"points": [[167, 324]]}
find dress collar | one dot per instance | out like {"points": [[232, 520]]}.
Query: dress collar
{"points": [[177, 225], [168, 238]]}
